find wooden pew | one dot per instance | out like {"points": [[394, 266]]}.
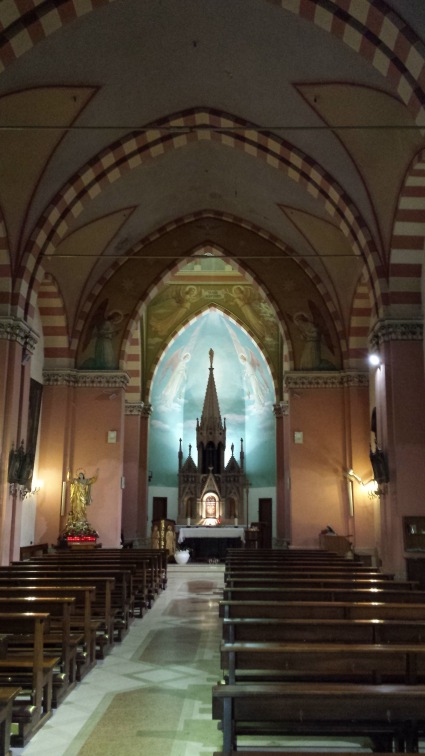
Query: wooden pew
{"points": [[60, 609], [272, 581], [80, 565], [120, 601], [323, 630], [32, 673], [310, 556], [149, 566], [373, 663], [393, 715], [75, 648], [8, 696], [323, 594], [321, 610], [98, 631], [296, 661], [278, 570]]}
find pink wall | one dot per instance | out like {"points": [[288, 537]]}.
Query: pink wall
{"points": [[319, 492], [75, 424], [400, 401]]}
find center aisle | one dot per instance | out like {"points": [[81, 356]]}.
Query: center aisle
{"points": [[152, 694]]}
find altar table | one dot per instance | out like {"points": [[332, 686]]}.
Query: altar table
{"points": [[211, 542]]}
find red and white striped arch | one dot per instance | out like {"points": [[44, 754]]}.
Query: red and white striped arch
{"points": [[133, 366], [5, 271], [360, 324], [407, 254], [137, 149], [178, 222], [54, 322], [377, 33], [23, 24], [369, 27]]}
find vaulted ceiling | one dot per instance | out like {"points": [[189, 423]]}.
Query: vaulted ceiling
{"points": [[283, 135]]}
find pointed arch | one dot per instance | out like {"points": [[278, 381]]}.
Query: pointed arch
{"points": [[21, 30], [360, 323], [137, 148], [132, 365], [375, 31], [371, 28], [5, 271], [185, 326], [55, 324], [408, 243], [208, 246]]}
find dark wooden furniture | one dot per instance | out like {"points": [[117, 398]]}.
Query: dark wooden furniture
{"points": [[391, 715], [246, 661], [323, 630]]}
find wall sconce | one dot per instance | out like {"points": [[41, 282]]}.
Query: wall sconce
{"points": [[26, 492], [23, 491], [150, 475], [371, 486], [374, 359]]}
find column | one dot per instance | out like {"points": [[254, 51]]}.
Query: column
{"points": [[17, 343], [400, 409], [283, 481]]}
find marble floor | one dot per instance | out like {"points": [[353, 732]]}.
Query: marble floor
{"points": [[151, 696]]}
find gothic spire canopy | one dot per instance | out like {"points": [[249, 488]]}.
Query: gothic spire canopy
{"points": [[211, 425]]}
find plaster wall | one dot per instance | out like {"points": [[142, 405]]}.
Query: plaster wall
{"points": [[318, 465], [74, 436], [408, 428]]}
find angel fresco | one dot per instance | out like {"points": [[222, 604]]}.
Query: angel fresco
{"points": [[313, 331], [175, 370], [248, 301], [102, 329], [171, 310], [257, 388], [174, 373]]}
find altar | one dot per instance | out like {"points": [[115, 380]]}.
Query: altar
{"points": [[210, 542]]}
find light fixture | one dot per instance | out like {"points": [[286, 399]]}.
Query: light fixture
{"points": [[26, 492], [371, 486], [150, 475], [374, 359], [15, 489]]}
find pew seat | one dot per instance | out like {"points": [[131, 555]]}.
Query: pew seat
{"points": [[323, 630], [323, 662], [8, 697], [31, 672], [392, 716]]}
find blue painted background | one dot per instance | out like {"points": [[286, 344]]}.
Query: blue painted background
{"points": [[245, 393]]}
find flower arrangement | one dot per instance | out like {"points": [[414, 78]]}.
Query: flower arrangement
{"points": [[79, 530]]}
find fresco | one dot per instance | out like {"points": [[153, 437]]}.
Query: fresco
{"points": [[101, 342], [211, 282], [244, 388]]}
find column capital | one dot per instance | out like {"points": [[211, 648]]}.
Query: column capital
{"points": [[325, 379], [114, 379], [395, 330], [134, 408], [16, 329], [281, 409]]}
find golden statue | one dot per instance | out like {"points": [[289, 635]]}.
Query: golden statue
{"points": [[80, 490], [77, 526]]}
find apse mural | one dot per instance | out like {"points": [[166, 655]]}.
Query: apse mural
{"points": [[245, 393]]}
